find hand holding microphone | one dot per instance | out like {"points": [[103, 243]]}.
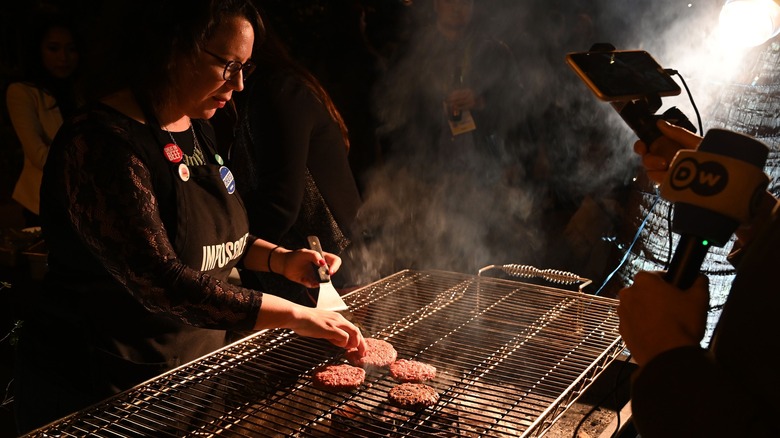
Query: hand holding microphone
{"points": [[656, 160], [656, 317], [714, 189], [716, 183]]}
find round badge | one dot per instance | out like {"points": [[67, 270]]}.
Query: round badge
{"points": [[184, 172], [173, 153], [219, 159], [227, 178]]}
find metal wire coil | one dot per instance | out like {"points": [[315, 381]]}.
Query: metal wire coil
{"points": [[551, 275]]}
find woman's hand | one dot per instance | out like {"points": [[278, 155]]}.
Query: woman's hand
{"points": [[277, 312], [300, 265], [656, 316], [657, 158], [326, 324]]}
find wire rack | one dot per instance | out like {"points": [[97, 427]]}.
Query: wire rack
{"points": [[511, 357]]}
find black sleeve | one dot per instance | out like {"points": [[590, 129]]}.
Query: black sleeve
{"points": [[103, 210]]}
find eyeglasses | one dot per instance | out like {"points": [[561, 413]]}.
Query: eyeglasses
{"points": [[233, 67]]}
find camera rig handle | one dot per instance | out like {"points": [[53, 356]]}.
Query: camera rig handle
{"points": [[640, 116]]}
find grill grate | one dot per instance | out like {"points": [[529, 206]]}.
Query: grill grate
{"points": [[511, 358]]}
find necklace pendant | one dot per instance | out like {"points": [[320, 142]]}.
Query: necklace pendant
{"points": [[173, 152]]}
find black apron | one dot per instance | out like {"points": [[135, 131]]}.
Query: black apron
{"points": [[211, 231], [129, 346], [211, 227]]}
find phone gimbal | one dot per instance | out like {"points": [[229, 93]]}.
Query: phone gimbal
{"points": [[640, 114]]}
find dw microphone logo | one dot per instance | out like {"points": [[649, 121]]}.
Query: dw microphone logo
{"points": [[704, 179]]}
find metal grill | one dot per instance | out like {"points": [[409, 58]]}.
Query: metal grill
{"points": [[511, 357]]}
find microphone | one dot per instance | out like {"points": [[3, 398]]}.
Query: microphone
{"points": [[714, 189]]}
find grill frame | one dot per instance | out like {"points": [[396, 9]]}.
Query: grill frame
{"points": [[546, 346]]}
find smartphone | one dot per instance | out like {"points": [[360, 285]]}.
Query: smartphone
{"points": [[622, 75]]}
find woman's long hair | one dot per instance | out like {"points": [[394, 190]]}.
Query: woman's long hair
{"points": [[274, 55]]}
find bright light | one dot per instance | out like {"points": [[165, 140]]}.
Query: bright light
{"points": [[749, 23]]}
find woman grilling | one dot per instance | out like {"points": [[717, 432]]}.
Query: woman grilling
{"points": [[143, 222]]}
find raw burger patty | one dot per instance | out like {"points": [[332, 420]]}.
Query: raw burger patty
{"points": [[413, 396], [341, 377], [405, 370], [379, 353]]}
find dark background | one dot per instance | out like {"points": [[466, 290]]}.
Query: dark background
{"points": [[325, 36], [567, 120]]}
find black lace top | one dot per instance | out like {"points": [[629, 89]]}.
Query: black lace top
{"points": [[108, 211]]}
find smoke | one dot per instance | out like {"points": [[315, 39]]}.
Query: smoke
{"points": [[559, 149], [418, 218]]}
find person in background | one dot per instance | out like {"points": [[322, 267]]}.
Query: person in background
{"points": [[449, 98], [450, 137], [291, 154], [38, 102], [347, 63], [143, 223], [729, 389]]}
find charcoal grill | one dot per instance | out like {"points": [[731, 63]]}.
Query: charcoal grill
{"points": [[511, 358]]}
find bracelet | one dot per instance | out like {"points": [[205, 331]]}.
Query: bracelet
{"points": [[269, 258]]}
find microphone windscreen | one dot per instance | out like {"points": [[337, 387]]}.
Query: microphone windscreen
{"points": [[716, 187], [735, 145]]}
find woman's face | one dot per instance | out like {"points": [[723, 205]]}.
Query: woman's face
{"points": [[202, 88], [58, 52]]}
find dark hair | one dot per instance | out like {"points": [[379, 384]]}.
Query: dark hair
{"points": [[273, 54], [163, 31], [64, 90]]}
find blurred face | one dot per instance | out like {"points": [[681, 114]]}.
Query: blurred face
{"points": [[453, 15], [202, 88], [58, 53]]}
